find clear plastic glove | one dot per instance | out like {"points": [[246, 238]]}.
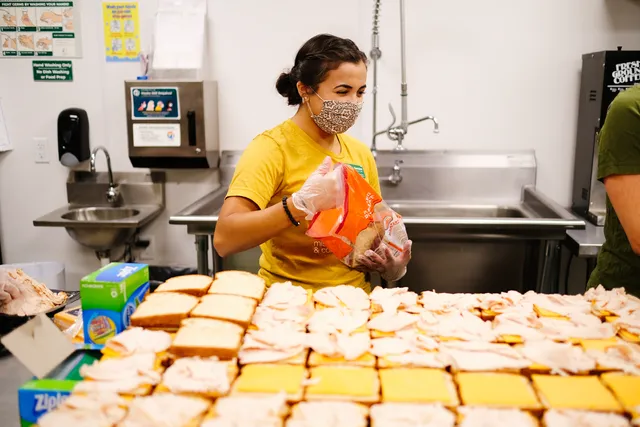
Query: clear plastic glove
{"points": [[391, 268], [320, 192], [8, 292]]}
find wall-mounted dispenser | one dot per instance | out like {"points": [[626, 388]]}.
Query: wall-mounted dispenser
{"points": [[73, 137], [172, 124]]}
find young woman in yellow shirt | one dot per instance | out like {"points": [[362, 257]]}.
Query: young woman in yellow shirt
{"points": [[282, 177]]}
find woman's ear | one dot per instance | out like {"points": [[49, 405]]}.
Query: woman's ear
{"points": [[303, 91]]}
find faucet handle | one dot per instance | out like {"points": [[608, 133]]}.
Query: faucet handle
{"points": [[398, 163]]}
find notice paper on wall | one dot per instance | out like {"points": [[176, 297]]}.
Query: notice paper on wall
{"points": [[156, 135], [52, 71], [121, 31], [39, 29], [5, 142], [179, 35]]}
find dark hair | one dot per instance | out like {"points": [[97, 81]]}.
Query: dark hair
{"points": [[314, 60]]}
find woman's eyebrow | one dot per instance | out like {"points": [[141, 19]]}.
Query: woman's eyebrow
{"points": [[344, 86]]}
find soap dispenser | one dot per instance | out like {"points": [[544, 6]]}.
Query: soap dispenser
{"points": [[73, 136]]}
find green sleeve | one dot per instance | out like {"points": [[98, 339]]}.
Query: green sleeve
{"points": [[619, 143]]}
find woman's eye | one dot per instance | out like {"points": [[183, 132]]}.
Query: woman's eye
{"points": [[342, 92], [360, 94]]}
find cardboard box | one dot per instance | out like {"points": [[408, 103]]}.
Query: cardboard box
{"points": [[109, 296], [39, 396]]}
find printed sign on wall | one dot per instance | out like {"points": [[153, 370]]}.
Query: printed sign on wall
{"points": [[154, 103], [121, 31]]}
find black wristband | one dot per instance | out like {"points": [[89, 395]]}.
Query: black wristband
{"points": [[288, 212]]}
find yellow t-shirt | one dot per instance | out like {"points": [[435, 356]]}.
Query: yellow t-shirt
{"points": [[276, 164]]}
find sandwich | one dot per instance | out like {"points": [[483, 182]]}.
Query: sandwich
{"points": [[295, 318], [163, 310], [206, 338], [394, 299], [418, 385], [408, 351], [443, 303], [576, 326], [493, 304], [478, 356], [230, 308], [262, 380], [137, 340], [326, 413], [391, 323], [355, 384], [233, 411], [133, 375], [554, 305], [614, 302], [342, 296], [167, 410], [91, 410], [282, 296], [628, 326], [338, 320], [239, 283], [275, 345], [411, 415], [515, 327], [626, 389], [569, 417], [480, 417], [614, 355], [460, 325], [577, 392], [204, 377], [497, 390], [340, 349], [557, 358], [191, 284]]}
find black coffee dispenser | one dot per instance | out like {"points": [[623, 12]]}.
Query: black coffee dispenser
{"points": [[73, 137]]}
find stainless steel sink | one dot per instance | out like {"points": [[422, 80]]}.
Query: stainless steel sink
{"points": [[93, 222], [100, 214], [417, 210]]}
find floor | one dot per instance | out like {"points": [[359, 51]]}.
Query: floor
{"points": [[12, 376]]}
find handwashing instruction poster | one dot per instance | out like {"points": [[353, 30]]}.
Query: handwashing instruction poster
{"points": [[154, 103], [38, 28], [121, 31]]}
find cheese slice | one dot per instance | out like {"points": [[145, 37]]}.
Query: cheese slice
{"points": [[577, 392], [625, 387], [600, 345], [270, 379], [317, 359], [356, 384], [419, 385], [496, 390]]}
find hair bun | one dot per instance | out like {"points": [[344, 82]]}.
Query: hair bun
{"points": [[286, 87]]}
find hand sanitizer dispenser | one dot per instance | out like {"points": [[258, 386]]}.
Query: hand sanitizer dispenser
{"points": [[172, 124], [73, 136]]}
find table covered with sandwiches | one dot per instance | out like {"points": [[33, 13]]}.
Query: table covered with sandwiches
{"points": [[229, 351]]}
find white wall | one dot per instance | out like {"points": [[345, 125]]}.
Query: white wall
{"points": [[497, 73]]}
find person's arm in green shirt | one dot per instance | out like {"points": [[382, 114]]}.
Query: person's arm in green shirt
{"points": [[619, 162]]}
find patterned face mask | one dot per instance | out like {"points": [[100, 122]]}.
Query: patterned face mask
{"points": [[336, 116]]}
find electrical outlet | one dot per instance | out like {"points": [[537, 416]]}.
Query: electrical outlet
{"points": [[148, 253], [41, 150]]}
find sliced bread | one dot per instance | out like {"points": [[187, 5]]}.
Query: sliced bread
{"points": [[163, 310], [231, 308], [240, 283], [192, 284], [206, 338]]}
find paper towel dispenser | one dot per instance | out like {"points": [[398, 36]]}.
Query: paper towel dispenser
{"points": [[172, 124]]}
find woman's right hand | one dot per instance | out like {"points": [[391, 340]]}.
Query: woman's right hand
{"points": [[320, 192]]}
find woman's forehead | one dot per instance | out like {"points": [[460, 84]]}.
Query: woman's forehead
{"points": [[354, 75]]}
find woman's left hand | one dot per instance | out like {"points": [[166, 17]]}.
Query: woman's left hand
{"points": [[391, 268]]}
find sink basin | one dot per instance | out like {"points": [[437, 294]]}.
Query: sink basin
{"points": [[100, 214], [453, 211]]}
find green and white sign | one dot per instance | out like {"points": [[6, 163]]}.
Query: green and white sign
{"points": [[52, 71], [38, 28]]}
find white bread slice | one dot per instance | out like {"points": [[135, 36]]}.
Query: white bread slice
{"points": [[231, 308], [192, 284], [206, 338], [163, 310], [240, 283]]}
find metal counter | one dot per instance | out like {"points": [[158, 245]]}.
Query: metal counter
{"points": [[586, 244]]}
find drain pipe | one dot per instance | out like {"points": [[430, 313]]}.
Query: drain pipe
{"points": [[375, 55]]}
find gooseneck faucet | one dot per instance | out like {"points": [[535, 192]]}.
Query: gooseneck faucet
{"points": [[112, 192], [394, 133]]}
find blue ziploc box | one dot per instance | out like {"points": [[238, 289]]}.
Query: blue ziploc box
{"points": [[109, 297]]}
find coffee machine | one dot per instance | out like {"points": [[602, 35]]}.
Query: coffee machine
{"points": [[604, 75]]}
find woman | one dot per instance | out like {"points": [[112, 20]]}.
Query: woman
{"points": [[282, 178]]}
